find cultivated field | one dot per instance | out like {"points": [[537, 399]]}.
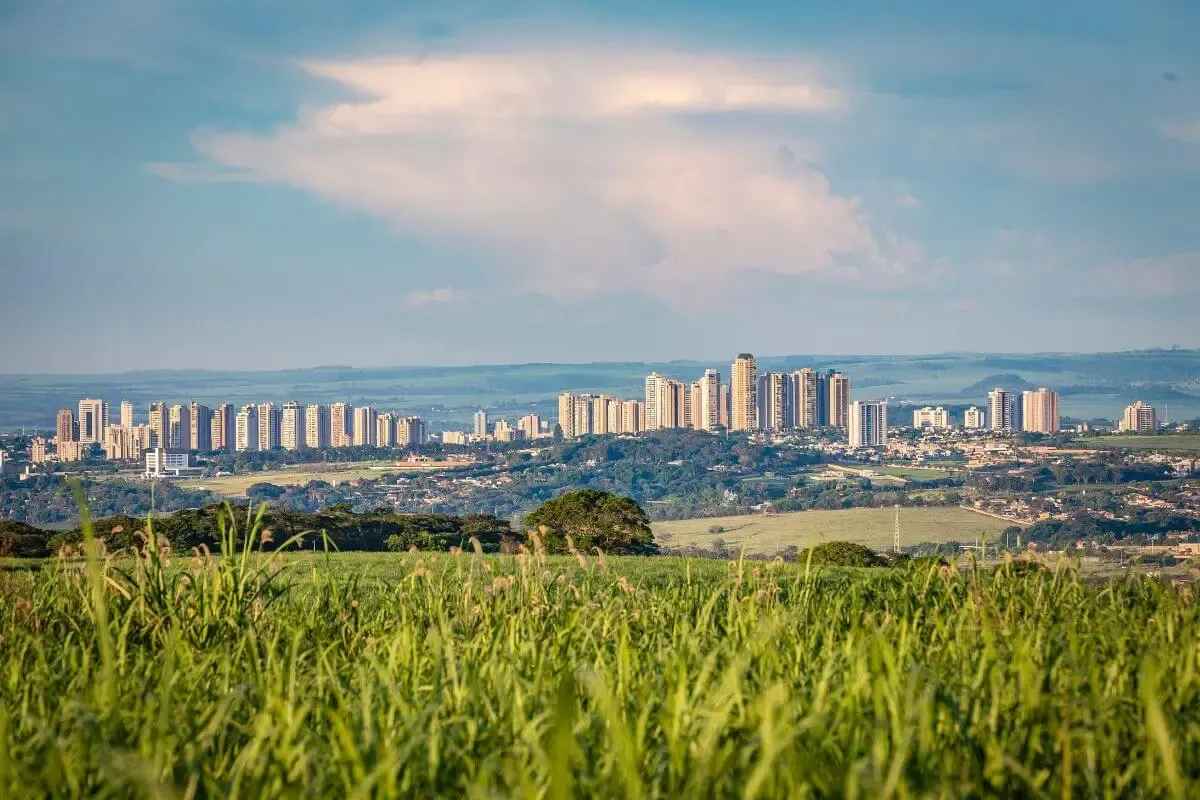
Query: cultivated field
{"points": [[235, 486], [872, 527], [1175, 442], [422, 675]]}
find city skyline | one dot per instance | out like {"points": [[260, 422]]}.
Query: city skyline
{"points": [[886, 170]]}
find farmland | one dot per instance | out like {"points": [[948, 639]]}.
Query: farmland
{"points": [[871, 527], [1170, 442], [235, 486], [485, 676]]}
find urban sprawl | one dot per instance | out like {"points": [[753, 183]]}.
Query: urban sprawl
{"points": [[749, 401]]}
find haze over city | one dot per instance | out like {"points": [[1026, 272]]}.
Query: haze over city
{"points": [[230, 187]]}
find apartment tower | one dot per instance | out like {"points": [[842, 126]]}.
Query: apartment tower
{"points": [[868, 424], [1039, 411], [743, 393]]}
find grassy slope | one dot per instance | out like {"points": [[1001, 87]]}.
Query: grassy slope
{"points": [[872, 527]]}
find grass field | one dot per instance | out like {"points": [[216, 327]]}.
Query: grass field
{"points": [[236, 485], [478, 676], [1174, 442], [872, 527]]}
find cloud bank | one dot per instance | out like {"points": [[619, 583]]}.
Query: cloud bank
{"points": [[580, 172]]}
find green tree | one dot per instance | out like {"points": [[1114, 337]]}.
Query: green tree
{"points": [[841, 554], [593, 519]]}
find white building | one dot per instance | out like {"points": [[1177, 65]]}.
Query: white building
{"points": [[481, 424], [162, 463], [246, 429], [270, 421], [930, 417], [365, 420], [292, 426], [454, 437], [974, 418], [93, 419], [1002, 410], [868, 424]]}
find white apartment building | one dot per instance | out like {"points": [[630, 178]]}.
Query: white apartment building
{"points": [[930, 417], [868, 424]]}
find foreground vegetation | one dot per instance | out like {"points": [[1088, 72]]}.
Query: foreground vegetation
{"points": [[478, 675]]}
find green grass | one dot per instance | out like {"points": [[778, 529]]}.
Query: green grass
{"points": [[472, 676], [1175, 442], [872, 527]]}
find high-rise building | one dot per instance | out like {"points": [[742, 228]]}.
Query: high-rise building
{"points": [[200, 433], [666, 402], [616, 420], [365, 419], [974, 418], [179, 428], [839, 399], [38, 452], [66, 428], [223, 427], [316, 427], [582, 414], [566, 415], [157, 419], [480, 426], [92, 420], [725, 421], [531, 425], [600, 415], [1001, 410], [868, 424], [410, 432], [122, 444], [270, 424], [930, 417], [127, 414], [774, 401], [385, 430], [1139, 418], [1039, 411], [804, 398], [245, 435], [292, 435], [632, 412], [706, 403], [341, 425], [743, 393]]}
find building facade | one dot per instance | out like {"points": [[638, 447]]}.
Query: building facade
{"points": [[1039, 411], [743, 393], [867, 423]]}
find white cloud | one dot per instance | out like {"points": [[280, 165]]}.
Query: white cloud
{"points": [[421, 297], [580, 172]]}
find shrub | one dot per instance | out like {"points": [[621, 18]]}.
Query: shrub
{"points": [[841, 554]]}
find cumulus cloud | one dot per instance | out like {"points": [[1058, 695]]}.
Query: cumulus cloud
{"points": [[422, 297], [580, 172]]}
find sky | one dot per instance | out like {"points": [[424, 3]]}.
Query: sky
{"points": [[290, 183]]}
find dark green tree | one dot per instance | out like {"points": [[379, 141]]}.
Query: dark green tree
{"points": [[593, 519]]}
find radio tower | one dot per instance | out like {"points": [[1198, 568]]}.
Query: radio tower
{"points": [[896, 539]]}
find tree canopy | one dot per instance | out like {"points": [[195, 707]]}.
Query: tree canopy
{"points": [[593, 519]]}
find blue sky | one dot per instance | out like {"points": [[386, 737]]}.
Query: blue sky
{"points": [[257, 185]]}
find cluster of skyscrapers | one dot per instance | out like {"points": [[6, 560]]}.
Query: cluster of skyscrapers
{"points": [[196, 427], [771, 401]]}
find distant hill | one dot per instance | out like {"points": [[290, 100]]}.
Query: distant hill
{"points": [[1007, 380]]}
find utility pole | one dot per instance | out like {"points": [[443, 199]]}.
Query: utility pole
{"points": [[896, 538]]}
